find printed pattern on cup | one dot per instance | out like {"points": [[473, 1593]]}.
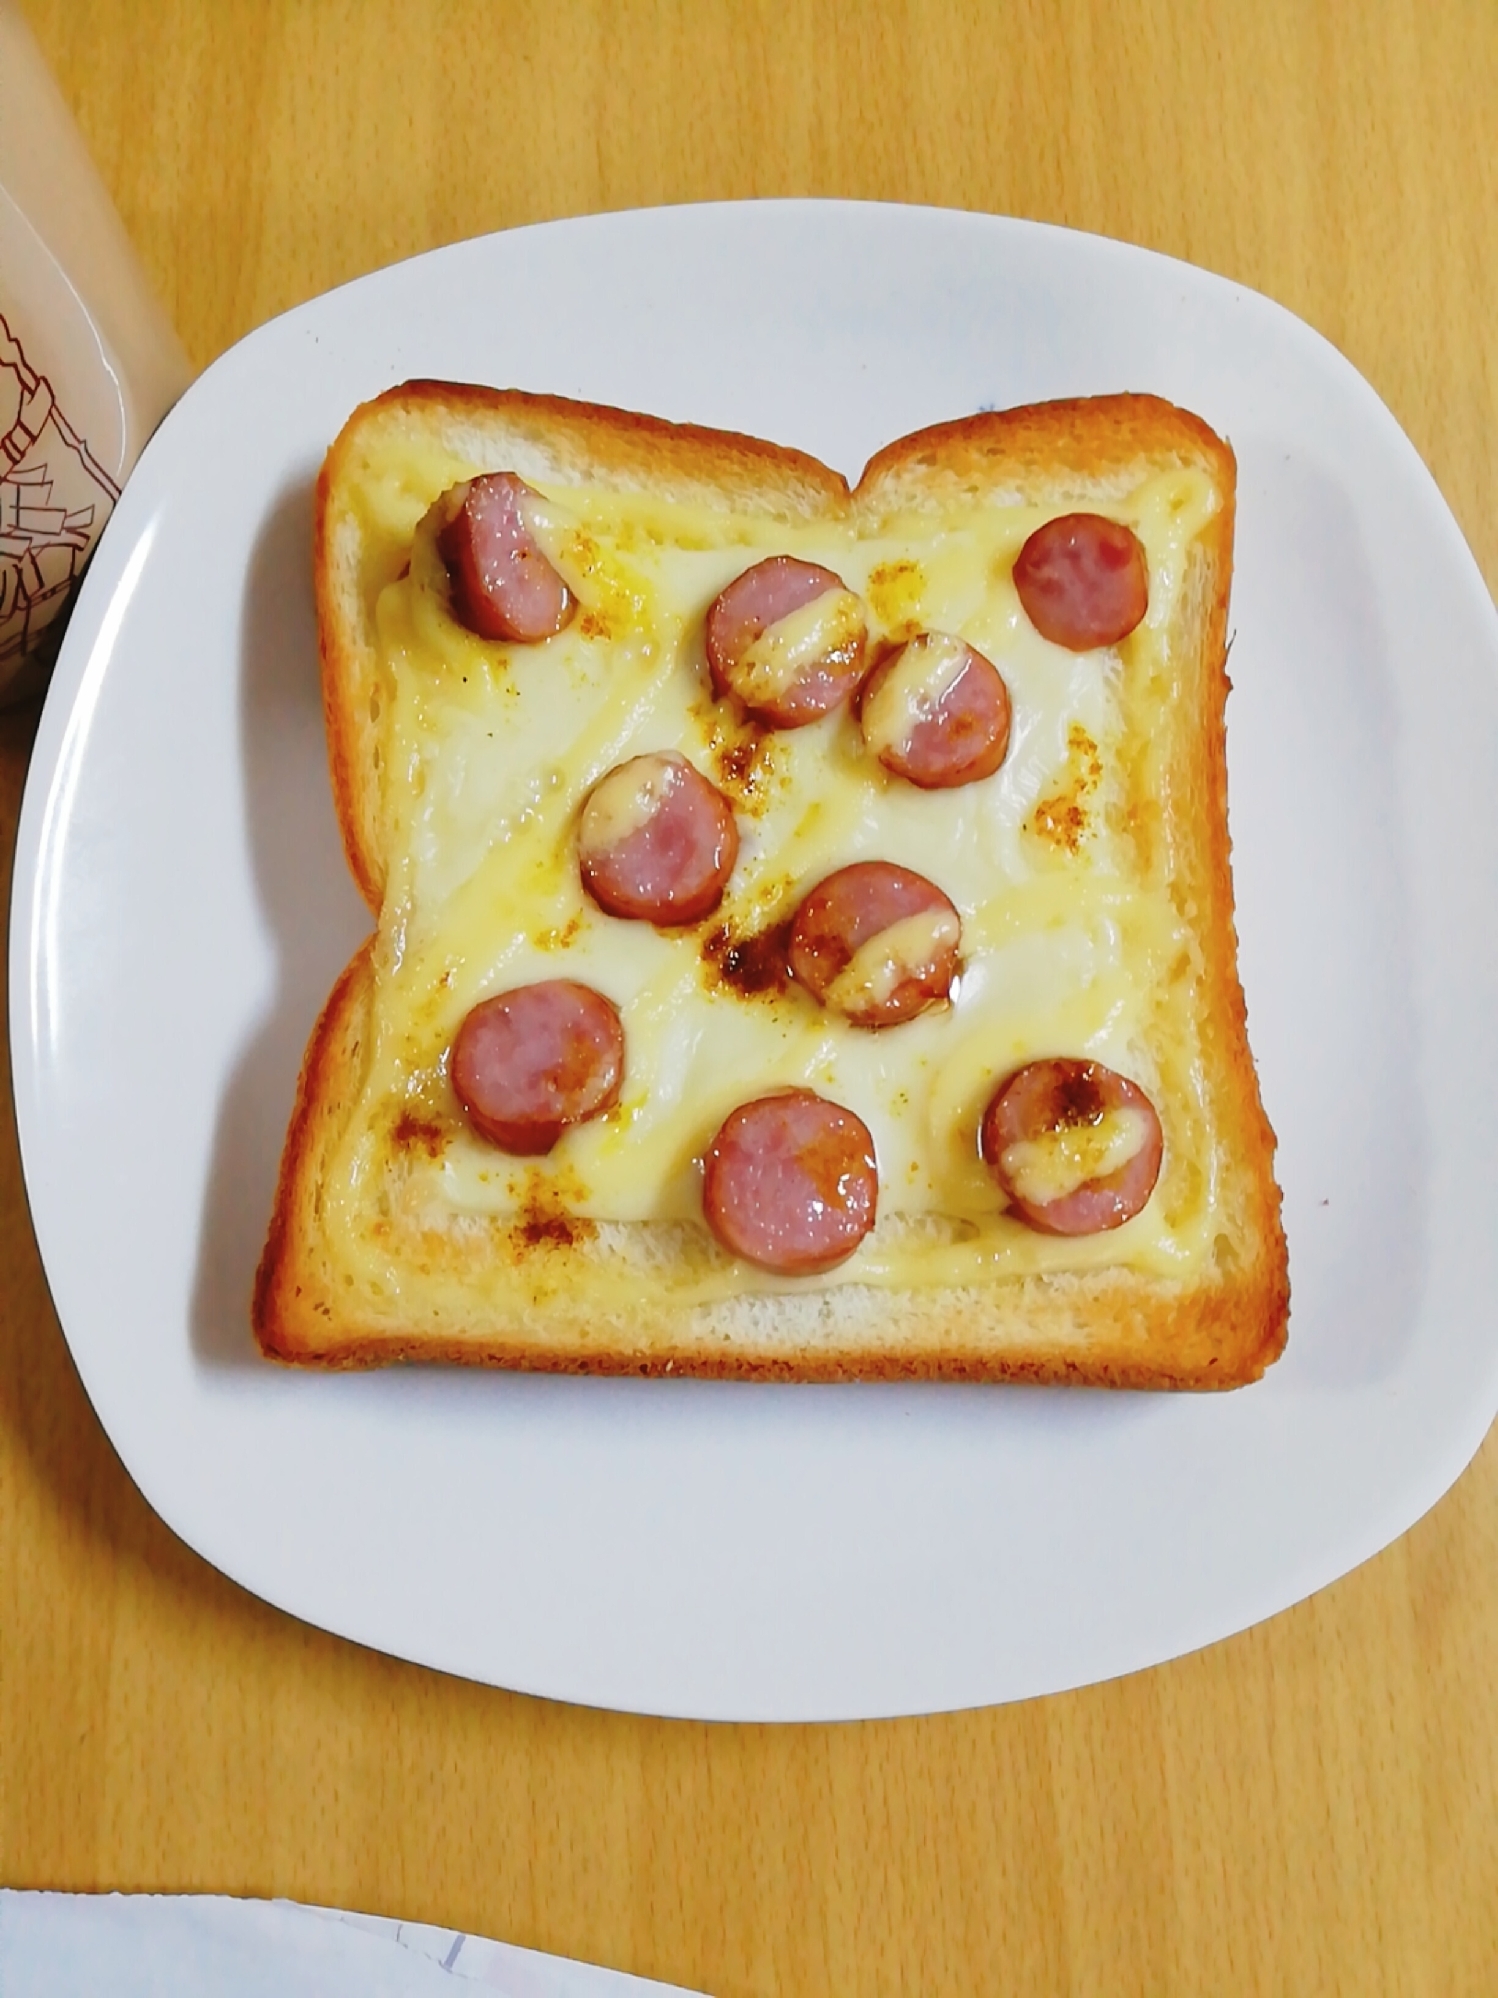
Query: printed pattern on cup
{"points": [[54, 500]]}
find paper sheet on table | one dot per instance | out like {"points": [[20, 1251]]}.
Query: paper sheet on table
{"points": [[180, 1946]]}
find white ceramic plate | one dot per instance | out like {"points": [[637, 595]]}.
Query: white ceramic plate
{"points": [[182, 908]]}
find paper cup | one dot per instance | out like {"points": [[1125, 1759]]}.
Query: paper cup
{"points": [[89, 362]]}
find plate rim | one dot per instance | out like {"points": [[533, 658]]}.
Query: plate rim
{"points": [[84, 653]]}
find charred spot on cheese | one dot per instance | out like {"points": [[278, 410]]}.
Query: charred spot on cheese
{"points": [[540, 1229], [413, 1133], [1062, 819], [736, 763], [582, 549], [754, 965], [895, 590], [548, 1217], [558, 938], [744, 764]]}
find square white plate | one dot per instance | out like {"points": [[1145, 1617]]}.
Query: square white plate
{"points": [[182, 908]]}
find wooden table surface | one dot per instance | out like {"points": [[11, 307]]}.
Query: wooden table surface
{"points": [[1310, 1807]]}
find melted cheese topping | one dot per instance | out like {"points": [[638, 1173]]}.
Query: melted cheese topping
{"points": [[776, 660], [625, 801], [1053, 1164], [886, 960], [1071, 947], [912, 690], [551, 523]]}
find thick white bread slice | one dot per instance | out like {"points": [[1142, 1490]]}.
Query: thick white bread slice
{"points": [[388, 1241]]}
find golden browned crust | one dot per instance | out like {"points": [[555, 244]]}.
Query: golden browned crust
{"points": [[291, 1312], [624, 450], [1032, 453], [1109, 1329], [1115, 1328]]}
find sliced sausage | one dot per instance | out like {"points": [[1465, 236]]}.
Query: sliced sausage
{"points": [[1083, 581], [528, 1063], [1074, 1145], [936, 712], [787, 640], [657, 842], [876, 943], [503, 585], [790, 1183]]}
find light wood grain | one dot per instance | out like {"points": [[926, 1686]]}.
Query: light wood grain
{"points": [[1310, 1807]]}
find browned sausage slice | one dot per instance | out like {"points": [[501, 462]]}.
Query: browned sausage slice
{"points": [[788, 640], [876, 943], [503, 586], [657, 842], [528, 1063], [790, 1183], [1083, 581], [936, 712], [1076, 1146]]}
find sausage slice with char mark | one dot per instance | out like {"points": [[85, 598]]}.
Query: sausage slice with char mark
{"points": [[790, 1183], [877, 943], [503, 584], [1075, 1146], [657, 842], [936, 712], [1083, 580], [530, 1062], [788, 640]]}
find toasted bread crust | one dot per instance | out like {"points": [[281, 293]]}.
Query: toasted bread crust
{"points": [[1112, 1327], [1112, 1330], [1030, 454], [290, 1310], [544, 438]]}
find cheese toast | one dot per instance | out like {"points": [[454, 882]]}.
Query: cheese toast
{"points": [[1078, 924]]}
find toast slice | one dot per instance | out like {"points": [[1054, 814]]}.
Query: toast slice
{"points": [[1091, 872]]}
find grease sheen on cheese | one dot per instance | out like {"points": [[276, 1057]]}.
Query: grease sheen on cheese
{"points": [[893, 955], [912, 691], [775, 660], [1053, 1164], [625, 801], [491, 750]]}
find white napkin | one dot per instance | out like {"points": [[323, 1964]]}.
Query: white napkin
{"points": [[180, 1946]]}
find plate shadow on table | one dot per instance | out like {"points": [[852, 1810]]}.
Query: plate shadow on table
{"points": [[313, 911]]}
